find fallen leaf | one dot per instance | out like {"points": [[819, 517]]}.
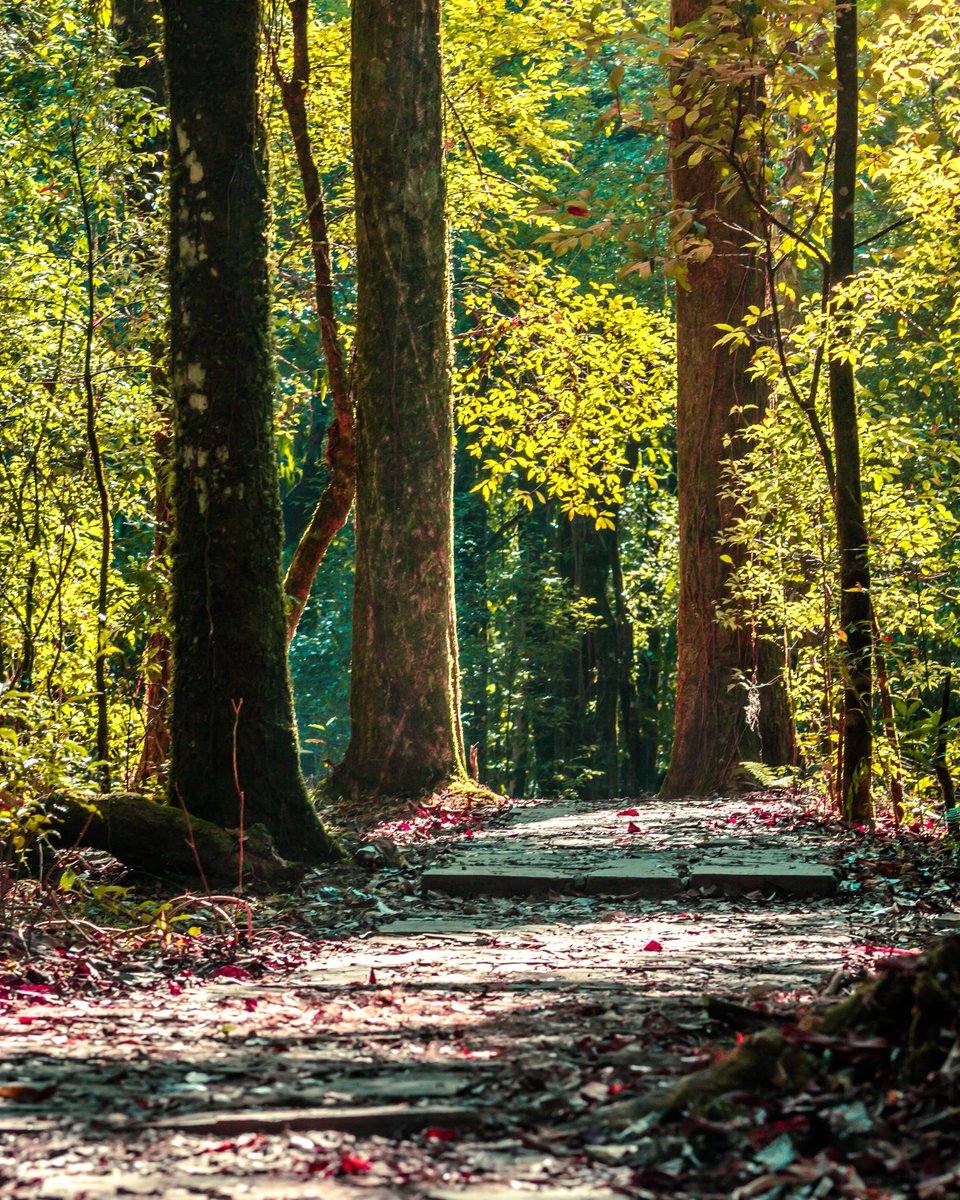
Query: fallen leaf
{"points": [[436, 1134], [27, 1093], [353, 1164]]}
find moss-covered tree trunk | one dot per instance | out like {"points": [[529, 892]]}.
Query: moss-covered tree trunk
{"points": [[715, 397], [405, 726], [234, 747]]}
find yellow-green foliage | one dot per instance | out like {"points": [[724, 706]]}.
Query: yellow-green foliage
{"points": [[560, 378], [56, 58]]}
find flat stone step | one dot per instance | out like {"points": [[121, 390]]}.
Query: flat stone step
{"points": [[624, 876], [648, 877], [503, 1191], [783, 875], [633, 876], [510, 879], [382, 1120]]}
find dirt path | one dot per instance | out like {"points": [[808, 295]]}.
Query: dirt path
{"points": [[407, 1042]]}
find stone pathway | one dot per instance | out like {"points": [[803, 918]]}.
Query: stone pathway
{"points": [[533, 973], [649, 849]]}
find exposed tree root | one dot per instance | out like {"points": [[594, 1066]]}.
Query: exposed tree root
{"points": [[903, 1024]]}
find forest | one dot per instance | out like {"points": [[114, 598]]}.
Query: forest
{"points": [[488, 470], [587, 509]]}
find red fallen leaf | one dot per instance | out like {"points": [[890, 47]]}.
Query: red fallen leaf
{"points": [[628, 812], [251, 1002], [230, 972], [220, 1146], [634, 828], [577, 210], [436, 1134], [37, 989], [653, 946], [372, 978], [353, 1164], [173, 988], [616, 1088], [26, 1020]]}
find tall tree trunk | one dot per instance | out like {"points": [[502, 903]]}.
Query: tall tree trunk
{"points": [[405, 733], [137, 30], [855, 604], [715, 397], [234, 745]]}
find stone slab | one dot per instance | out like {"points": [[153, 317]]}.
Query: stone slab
{"points": [[384, 1120], [503, 1191], [785, 875], [505, 880], [637, 876], [619, 877]]}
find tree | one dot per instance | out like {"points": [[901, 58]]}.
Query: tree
{"points": [[234, 747], [855, 603], [404, 690], [715, 398], [333, 506], [136, 28]]}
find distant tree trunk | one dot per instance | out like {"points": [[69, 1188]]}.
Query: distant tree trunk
{"points": [[137, 30], [404, 690], [855, 604], [472, 612], [630, 741], [234, 746], [715, 398]]}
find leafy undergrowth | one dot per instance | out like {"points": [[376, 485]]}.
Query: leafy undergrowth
{"points": [[92, 923]]}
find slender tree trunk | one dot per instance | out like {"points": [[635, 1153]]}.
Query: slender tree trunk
{"points": [[472, 612], [333, 507], [234, 746], [404, 690], [630, 741], [137, 30], [855, 618], [715, 398]]}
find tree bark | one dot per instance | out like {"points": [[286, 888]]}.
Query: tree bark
{"points": [[856, 648], [715, 399], [234, 748], [404, 704]]}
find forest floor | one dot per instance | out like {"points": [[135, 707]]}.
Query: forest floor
{"points": [[375, 1035]]}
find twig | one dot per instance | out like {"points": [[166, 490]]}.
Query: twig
{"points": [[236, 705], [192, 842]]}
